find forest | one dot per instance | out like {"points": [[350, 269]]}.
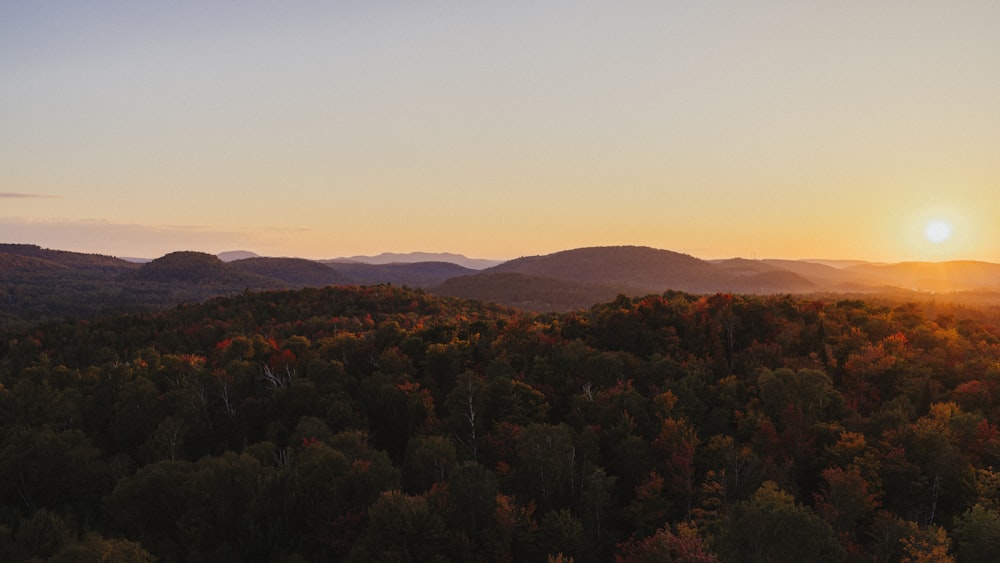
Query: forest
{"points": [[382, 423]]}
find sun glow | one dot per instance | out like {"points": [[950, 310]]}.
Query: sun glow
{"points": [[943, 232], [937, 231]]}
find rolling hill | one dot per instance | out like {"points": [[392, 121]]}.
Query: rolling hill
{"points": [[40, 283], [642, 269], [188, 267], [564, 279], [632, 268], [412, 257], [957, 275], [73, 260], [17, 264], [233, 255], [825, 277], [527, 292], [417, 274], [296, 272], [575, 278]]}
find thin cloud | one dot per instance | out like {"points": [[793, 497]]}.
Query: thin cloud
{"points": [[17, 195]]}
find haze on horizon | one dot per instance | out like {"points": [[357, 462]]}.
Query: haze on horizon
{"points": [[851, 130]]}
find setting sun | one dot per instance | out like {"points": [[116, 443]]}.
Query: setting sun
{"points": [[938, 231]]}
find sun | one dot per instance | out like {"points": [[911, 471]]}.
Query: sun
{"points": [[938, 231]]}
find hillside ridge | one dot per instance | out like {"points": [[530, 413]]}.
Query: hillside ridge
{"points": [[41, 282]]}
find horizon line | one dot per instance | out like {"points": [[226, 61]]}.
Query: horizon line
{"points": [[813, 259]]}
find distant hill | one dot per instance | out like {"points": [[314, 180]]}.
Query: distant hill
{"points": [[838, 263], [632, 268], [756, 276], [567, 279], [743, 267], [234, 255], [635, 270], [824, 276], [958, 275], [777, 281], [412, 257], [524, 291], [418, 274], [38, 283], [73, 260], [639, 268], [17, 264], [187, 267], [293, 271]]}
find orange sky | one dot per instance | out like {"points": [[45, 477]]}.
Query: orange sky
{"points": [[498, 130]]}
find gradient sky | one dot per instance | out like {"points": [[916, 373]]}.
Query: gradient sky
{"points": [[502, 129]]}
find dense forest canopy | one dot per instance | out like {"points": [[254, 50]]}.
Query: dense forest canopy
{"points": [[385, 424]]}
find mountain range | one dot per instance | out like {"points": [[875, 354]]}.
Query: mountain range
{"points": [[37, 282], [412, 257]]}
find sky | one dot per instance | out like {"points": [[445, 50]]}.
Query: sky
{"points": [[320, 129]]}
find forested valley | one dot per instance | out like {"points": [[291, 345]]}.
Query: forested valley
{"points": [[382, 423]]}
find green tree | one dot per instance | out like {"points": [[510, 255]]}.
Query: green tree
{"points": [[402, 529], [771, 527], [560, 531], [43, 468], [150, 505], [978, 534], [428, 459], [42, 534], [547, 464], [472, 498]]}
